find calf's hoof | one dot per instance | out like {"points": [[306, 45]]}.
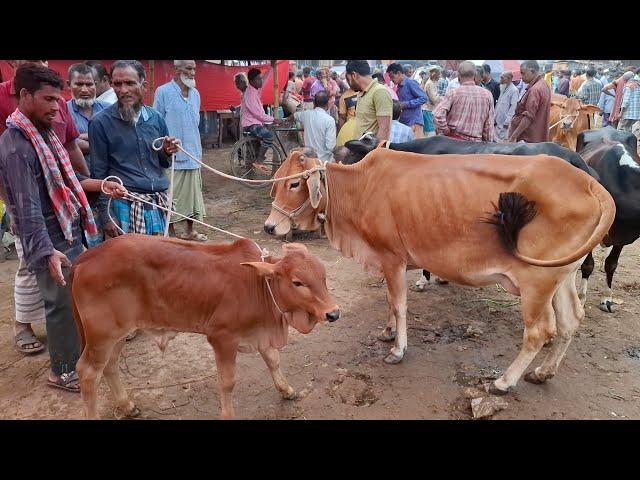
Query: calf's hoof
{"points": [[387, 335], [607, 306], [289, 394], [494, 390], [393, 357], [134, 412], [535, 378]]}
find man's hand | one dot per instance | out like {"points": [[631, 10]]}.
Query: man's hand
{"points": [[111, 230], [114, 189], [278, 121], [170, 145], [56, 262], [403, 105]]}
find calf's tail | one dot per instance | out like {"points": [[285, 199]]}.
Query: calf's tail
{"points": [[514, 211]]}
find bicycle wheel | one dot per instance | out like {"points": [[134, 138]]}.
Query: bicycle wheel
{"points": [[243, 156]]}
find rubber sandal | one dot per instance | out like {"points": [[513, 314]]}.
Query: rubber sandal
{"points": [[67, 381], [27, 337], [195, 236], [261, 167]]}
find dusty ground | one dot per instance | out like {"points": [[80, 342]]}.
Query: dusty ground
{"points": [[338, 367]]}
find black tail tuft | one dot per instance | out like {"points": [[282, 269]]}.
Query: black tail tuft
{"points": [[513, 212]]}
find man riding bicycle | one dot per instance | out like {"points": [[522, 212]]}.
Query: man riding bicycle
{"points": [[252, 116]]}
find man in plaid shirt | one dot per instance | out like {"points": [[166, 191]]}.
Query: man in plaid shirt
{"points": [[630, 105], [590, 90], [443, 83], [467, 112]]}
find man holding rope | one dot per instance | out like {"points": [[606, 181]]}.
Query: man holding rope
{"points": [[48, 207], [120, 138]]}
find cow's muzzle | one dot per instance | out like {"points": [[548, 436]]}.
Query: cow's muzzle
{"points": [[270, 229], [333, 316]]}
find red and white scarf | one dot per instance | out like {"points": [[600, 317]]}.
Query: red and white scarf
{"points": [[67, 197]]}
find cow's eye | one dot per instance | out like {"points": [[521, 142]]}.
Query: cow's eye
{"points": [[298, 284], [294, 185]]}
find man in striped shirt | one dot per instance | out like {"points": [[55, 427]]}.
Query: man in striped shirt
{"points": [[630, 112], [467, 112], [590, 90]]}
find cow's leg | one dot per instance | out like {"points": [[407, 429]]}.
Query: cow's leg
{"points": [[424, 280], [610, 265], [388, 334], [90, 367], [225, 350], [569, 315], [539, 326], [112, 377], [271, 357], [587, 269], [395, 274]]}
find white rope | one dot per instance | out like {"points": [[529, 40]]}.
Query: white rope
{"points": [[563, 118], [305, 174]]}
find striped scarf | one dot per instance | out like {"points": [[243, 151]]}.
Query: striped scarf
{"points": [[67, 197]]}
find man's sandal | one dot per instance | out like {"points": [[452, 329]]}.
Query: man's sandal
{"points": [[261, 167], [195, 236], [67, 381], [27, 337]]}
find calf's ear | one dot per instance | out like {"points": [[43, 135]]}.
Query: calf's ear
{"points": [[292, 247], [556, 103], [313, 184], [262, 268], [589, 109]]}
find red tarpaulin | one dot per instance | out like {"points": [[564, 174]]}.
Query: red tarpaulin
{"points": [[214, 82]]}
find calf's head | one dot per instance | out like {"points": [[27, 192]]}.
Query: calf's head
{"points": [[355, 150], [297, 201], [299, 285], [570, 109]]}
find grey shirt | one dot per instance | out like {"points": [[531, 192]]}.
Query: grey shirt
{"points": [[319, 132]]}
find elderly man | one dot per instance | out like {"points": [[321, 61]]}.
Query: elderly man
{"points": [[411, 98], [178, 103], [506, 106], [433, 99], [467, 112], [83, 104], [531, 120], [120, 139], [589, 92], [375, 107], [104, 90], [319, 127], [28, 301], [49, 209], [618, 86]]}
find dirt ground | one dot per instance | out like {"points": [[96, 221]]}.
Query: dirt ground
{"points": [[458, 337]]}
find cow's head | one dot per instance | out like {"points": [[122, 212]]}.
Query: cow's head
{"points": [[299, 286], [570, 109], [356, 150], [297, 201]]}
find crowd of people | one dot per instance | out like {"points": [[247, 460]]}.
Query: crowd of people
{"points": [[55, 155]]}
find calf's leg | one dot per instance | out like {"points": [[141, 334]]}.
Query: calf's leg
{"points": [[395, 274], [610, 265], [90, 367], [271, 357], [587, 269], [388, 333], [225, 350], [112, 376]]}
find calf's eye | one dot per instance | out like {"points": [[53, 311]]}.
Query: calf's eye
{"points": [[294, 185], [298, 284]]}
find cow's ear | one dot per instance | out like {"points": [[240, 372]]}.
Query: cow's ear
{"points": [[294, 247], [262, 268], [357, 146], [556, 103], [589, 109], [313, 184]]}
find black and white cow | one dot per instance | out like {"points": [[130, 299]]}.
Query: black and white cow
{"points": [[355, 150], [613, 154]]}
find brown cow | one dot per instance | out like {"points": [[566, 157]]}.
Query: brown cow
{"points": [[170, 286], [476, 224], [567, 118]]}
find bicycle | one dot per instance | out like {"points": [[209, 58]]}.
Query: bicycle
{"points": [[245, 151]]}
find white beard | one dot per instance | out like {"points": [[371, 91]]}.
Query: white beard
{"points": [[85, 102], [189, 82]]}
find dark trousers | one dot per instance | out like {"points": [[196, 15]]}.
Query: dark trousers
{"points": [[263, 133], [62, 333]]}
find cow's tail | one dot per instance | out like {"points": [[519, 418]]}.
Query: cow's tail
{"points": [[76, 313], [514, 211]]}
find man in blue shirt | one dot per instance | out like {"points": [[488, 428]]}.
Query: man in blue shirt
{"points": [[411, 98], [83, 104], [178, 103], [120, 138]]}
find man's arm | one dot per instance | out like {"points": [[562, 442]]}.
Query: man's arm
{"points": [[384, 110], [384, 128], [513, 101], [158, 102], [342, 112], [83, 143], [608, 87], [440, 113], [488, 131], [77, 158], [330, 136], [99, 163], [419, 97]]}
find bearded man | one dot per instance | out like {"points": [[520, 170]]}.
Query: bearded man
{"points": [[178, 103], [120, 139]]}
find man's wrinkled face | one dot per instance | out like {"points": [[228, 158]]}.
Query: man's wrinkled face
{"points": [[83, 89], [42, 106], [187, 71], [129, 87]]}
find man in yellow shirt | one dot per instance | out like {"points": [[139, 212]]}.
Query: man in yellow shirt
{"points": [[374, 107]]}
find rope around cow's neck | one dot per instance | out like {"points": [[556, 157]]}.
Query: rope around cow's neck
{"points": [[563, 118]]}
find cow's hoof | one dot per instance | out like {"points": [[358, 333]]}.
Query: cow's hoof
{"points": [[387, 335], [290, 394], [497, 391], [131, 412], [393, 359], [607, 306], [532, 377]]}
